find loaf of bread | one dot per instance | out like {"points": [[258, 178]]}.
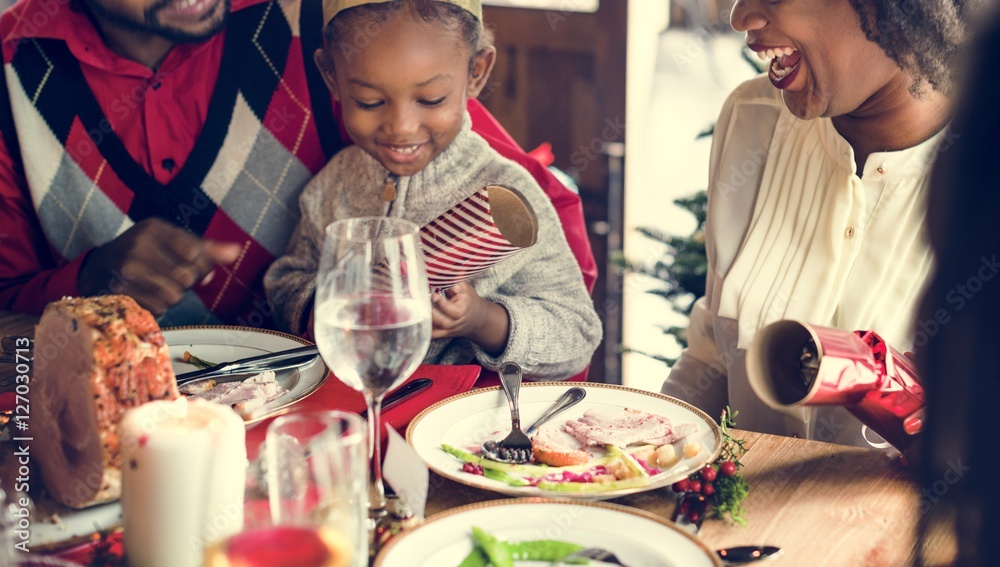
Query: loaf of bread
{"points": [[95, 358]]}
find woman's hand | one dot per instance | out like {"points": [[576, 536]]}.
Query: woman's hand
{"points": [[460, 312]]}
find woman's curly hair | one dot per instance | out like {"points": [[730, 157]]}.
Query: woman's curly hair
{"points": [[926, 38]]}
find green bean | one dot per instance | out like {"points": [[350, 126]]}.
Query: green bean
{"points": [[475, 558], [543, 550], [491, 551], [504, 477], [495, 549]]}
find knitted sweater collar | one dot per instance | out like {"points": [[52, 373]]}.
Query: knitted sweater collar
{"points": [[447, 179]]}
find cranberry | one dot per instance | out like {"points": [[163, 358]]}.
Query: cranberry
{"points": [[682, 485], [695, 486], [708, 489], [728, 468], [708, 473]]}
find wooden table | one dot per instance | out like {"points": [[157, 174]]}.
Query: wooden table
{"points": [[823, 504]]}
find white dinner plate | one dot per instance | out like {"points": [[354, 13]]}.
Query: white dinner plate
{"points": [[226, 344], [636, 537], [54, 526], [466, 420], [66, 527]]}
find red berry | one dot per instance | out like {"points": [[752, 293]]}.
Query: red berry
{"points": [[695, 486], [708, 489], [708, 474], [728, 468], [682, 485], [694, 516]]}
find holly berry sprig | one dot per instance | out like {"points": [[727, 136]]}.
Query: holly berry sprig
{"points": [[721, 483]]}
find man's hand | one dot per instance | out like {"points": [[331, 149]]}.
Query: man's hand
{"points": [[460, 312], [155, 262]]}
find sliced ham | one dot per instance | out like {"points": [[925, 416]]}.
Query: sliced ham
{"points": [[244, 396], [95, 358], [624, 428]]}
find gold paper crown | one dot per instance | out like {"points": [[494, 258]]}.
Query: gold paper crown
{"points": [[332, 7]]}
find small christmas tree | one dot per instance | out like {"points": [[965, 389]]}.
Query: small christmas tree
{"points": [[681, 269]]}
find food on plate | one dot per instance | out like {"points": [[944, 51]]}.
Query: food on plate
{"points": [[95, 358], [244, 396], [550, 449], [601, 450], [691, 450], [624, 428], [488, 550], [665, 456], [198, 387]]}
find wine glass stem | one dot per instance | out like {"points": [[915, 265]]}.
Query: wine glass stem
{"points": [[376, 493]]}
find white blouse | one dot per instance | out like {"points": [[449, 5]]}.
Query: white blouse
{"points": [[794, 233]]}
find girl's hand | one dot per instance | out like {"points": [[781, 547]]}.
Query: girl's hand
{"points": [[460, 312]]}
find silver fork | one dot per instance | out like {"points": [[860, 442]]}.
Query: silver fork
{"points": [[516, 447], [593, 554]]}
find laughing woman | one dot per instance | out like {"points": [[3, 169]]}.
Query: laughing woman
{"points": [[817, 190]]}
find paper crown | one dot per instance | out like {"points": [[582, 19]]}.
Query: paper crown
{"points": [[332, 7], [490, 225]]}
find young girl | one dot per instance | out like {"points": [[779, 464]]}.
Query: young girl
{"points": [[402, 71]]}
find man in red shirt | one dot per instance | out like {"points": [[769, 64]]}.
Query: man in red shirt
{"points": [[157, 149]]}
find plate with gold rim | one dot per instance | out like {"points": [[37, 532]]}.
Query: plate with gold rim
{"points": [[466, 420], [227, 343], [57, 527], [636, 537]]}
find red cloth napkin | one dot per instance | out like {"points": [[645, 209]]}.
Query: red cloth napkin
{"points": [[334, 394], [490, 378]]}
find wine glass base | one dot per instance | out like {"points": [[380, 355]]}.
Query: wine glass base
{"points": [[394, 518]]}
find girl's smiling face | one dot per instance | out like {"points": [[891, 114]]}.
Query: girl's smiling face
{"points": [[403, 95], [818, 56]]}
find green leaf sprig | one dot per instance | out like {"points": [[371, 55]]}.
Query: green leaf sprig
{"points": [[731, 491]]}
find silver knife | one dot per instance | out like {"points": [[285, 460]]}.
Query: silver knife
{"points": [[271, 361], [746, 554], [690, 512], [408, 390]]}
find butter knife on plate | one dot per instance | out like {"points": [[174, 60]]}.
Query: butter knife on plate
{"points": [[275, 361]]}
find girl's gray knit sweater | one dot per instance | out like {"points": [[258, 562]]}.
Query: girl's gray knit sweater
{"points": [[554, 329]]}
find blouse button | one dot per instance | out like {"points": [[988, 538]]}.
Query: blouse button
{"points": [[881, 169], [849, 233]]}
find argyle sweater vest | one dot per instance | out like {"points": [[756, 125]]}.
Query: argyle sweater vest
{"points": [[261, 143]]}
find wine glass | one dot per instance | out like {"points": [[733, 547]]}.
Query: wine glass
{"points": [[372, 316]]}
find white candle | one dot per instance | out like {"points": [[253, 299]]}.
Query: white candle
{"points": [[183, 478]]}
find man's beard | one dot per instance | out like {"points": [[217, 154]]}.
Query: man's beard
{"points": [[151, 25]]}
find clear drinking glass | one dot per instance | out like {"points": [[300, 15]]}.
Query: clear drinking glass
{"points": [[317, 483], [372, 316]]}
